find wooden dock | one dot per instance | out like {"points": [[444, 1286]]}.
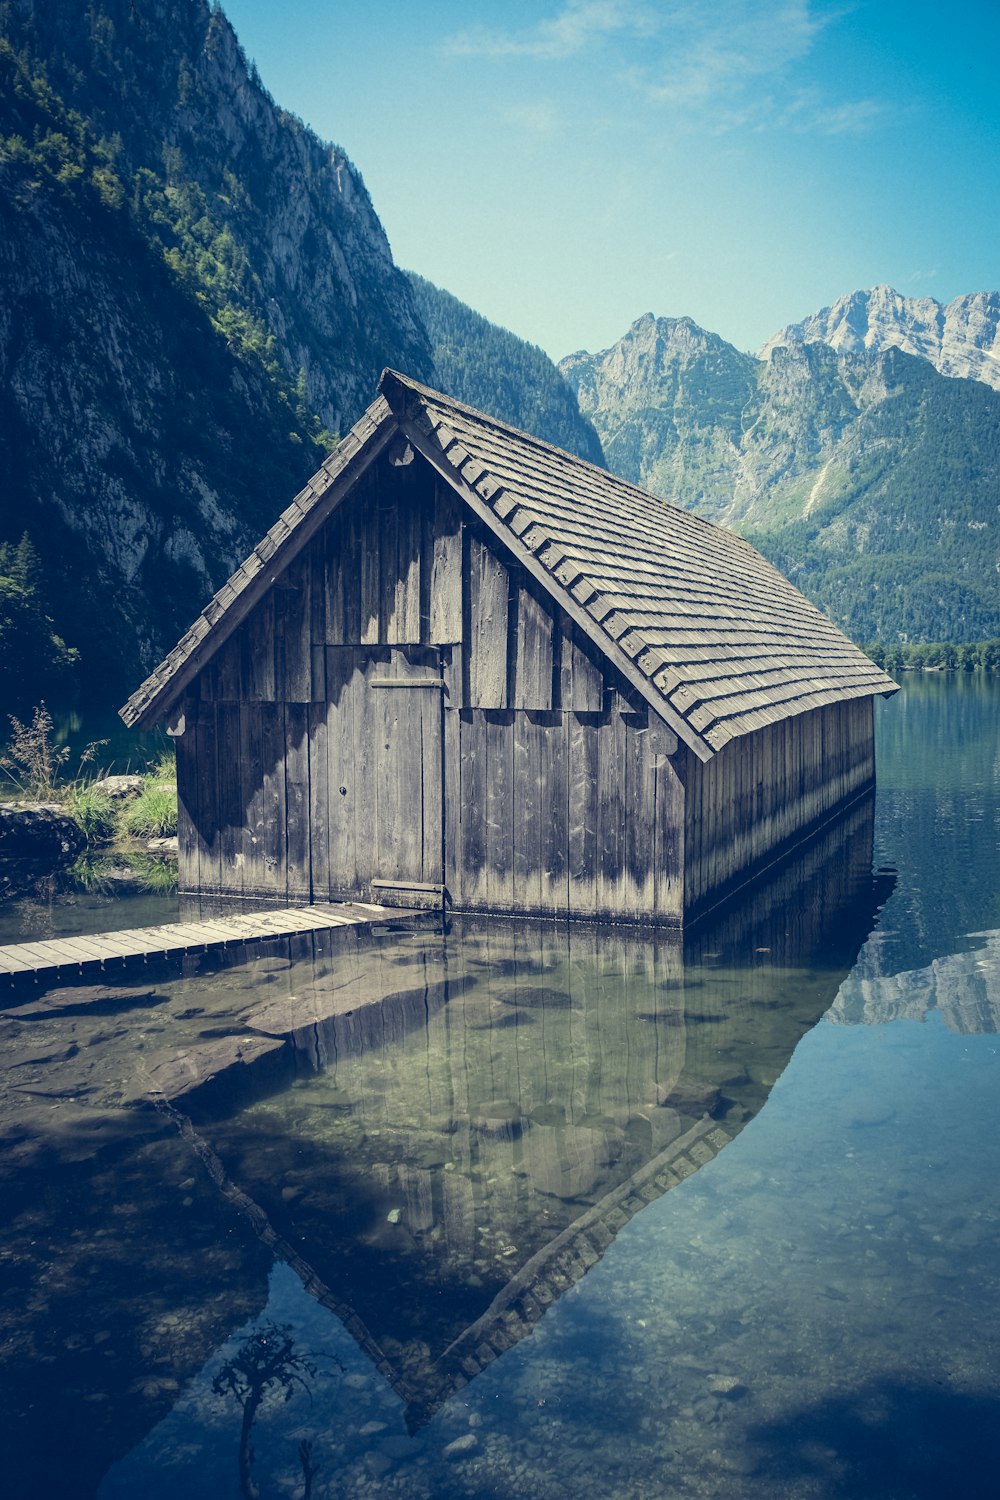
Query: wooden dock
{"points": [[38, 960]]}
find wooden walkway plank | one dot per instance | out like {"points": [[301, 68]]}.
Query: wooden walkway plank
{"points": [[48, 956], [13, 963]]}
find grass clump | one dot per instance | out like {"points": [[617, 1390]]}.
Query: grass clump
{"points": [[152, 814], [93, 811], [35, 764]]}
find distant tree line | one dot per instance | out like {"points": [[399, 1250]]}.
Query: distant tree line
{"points": [[972, 656]]}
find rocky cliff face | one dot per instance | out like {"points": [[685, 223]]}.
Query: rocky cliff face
{"points": [[192, 287], [269, 227], [867, 477], [669, 402], [138, 454], [961, 338]]}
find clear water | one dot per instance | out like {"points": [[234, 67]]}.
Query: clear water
{"points": [[567, 1213]]}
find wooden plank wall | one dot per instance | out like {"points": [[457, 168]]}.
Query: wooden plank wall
{"points": [[552, 812], [283, 715], [559, 797], [764, 790], [562, 798], [562, 793]]}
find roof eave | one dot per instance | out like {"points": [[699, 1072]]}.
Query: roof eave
{"points": [[294, 528]]}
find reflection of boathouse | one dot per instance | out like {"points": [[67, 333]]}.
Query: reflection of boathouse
{"points": [[476, 1115], [466, 668], [439, 1133]]}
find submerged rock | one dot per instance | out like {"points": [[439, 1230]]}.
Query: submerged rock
{"points": [[461, 1446]]}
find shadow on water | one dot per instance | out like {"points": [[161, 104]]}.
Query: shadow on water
{"points": [[888, 1440], [438, 1132]]}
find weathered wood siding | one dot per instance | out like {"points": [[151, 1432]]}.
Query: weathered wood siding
{"points": [[311, 761], [522, 779], [560, 798], [407, 705], [766, 790]]}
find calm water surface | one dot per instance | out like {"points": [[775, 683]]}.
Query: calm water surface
{"points": [[569, 1213]]}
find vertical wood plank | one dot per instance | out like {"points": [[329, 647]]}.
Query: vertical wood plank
{"points": [[232, 824], [364, 770], [390, 580], [335, 540], [258, 651], [207, 825], [227, 666], [583, 738], [500, 809], [610, 816], [475, 877], [297, 801], [668, 836], [454, 878], [640, 818], [292, 627], [554, 821], [188, 812], [407, 604], [533, 648], [318, 800], [581, 683], [367, 542], [528, 813], [445, 620], [485, 636], [255, 875], [342, 672], [432, 787], [272, 748], [315, 563]]}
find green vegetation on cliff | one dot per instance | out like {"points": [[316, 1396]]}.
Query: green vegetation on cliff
{"points": [[33, 658], [489, 368], [194, 292]]}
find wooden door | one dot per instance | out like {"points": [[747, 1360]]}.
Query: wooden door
{"points": [[384, 732]]}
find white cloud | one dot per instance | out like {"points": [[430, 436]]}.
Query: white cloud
{"points": [[709, 52], [718, 65], [569, 32]]}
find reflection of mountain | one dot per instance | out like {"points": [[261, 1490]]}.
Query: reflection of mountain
{"points": [[475, 1115], [963, 987]]}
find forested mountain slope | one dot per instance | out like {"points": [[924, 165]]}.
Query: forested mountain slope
{"points": [[867, 477], [192, 288], [489, 368]]}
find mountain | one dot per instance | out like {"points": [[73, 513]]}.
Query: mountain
{"points": [[866, 476], [961, 338], [495, 371], [668, 404], [194, 293]]}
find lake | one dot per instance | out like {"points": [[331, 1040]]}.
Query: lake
{"points": [[521, 1208]]}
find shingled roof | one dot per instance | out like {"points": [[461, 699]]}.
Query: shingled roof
{"points": [[713, 636]]}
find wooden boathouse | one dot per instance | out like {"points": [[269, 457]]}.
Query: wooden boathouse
{"points": [[465, 667]]}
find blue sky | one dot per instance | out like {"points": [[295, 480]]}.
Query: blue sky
{"points": [[567, 165]]}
